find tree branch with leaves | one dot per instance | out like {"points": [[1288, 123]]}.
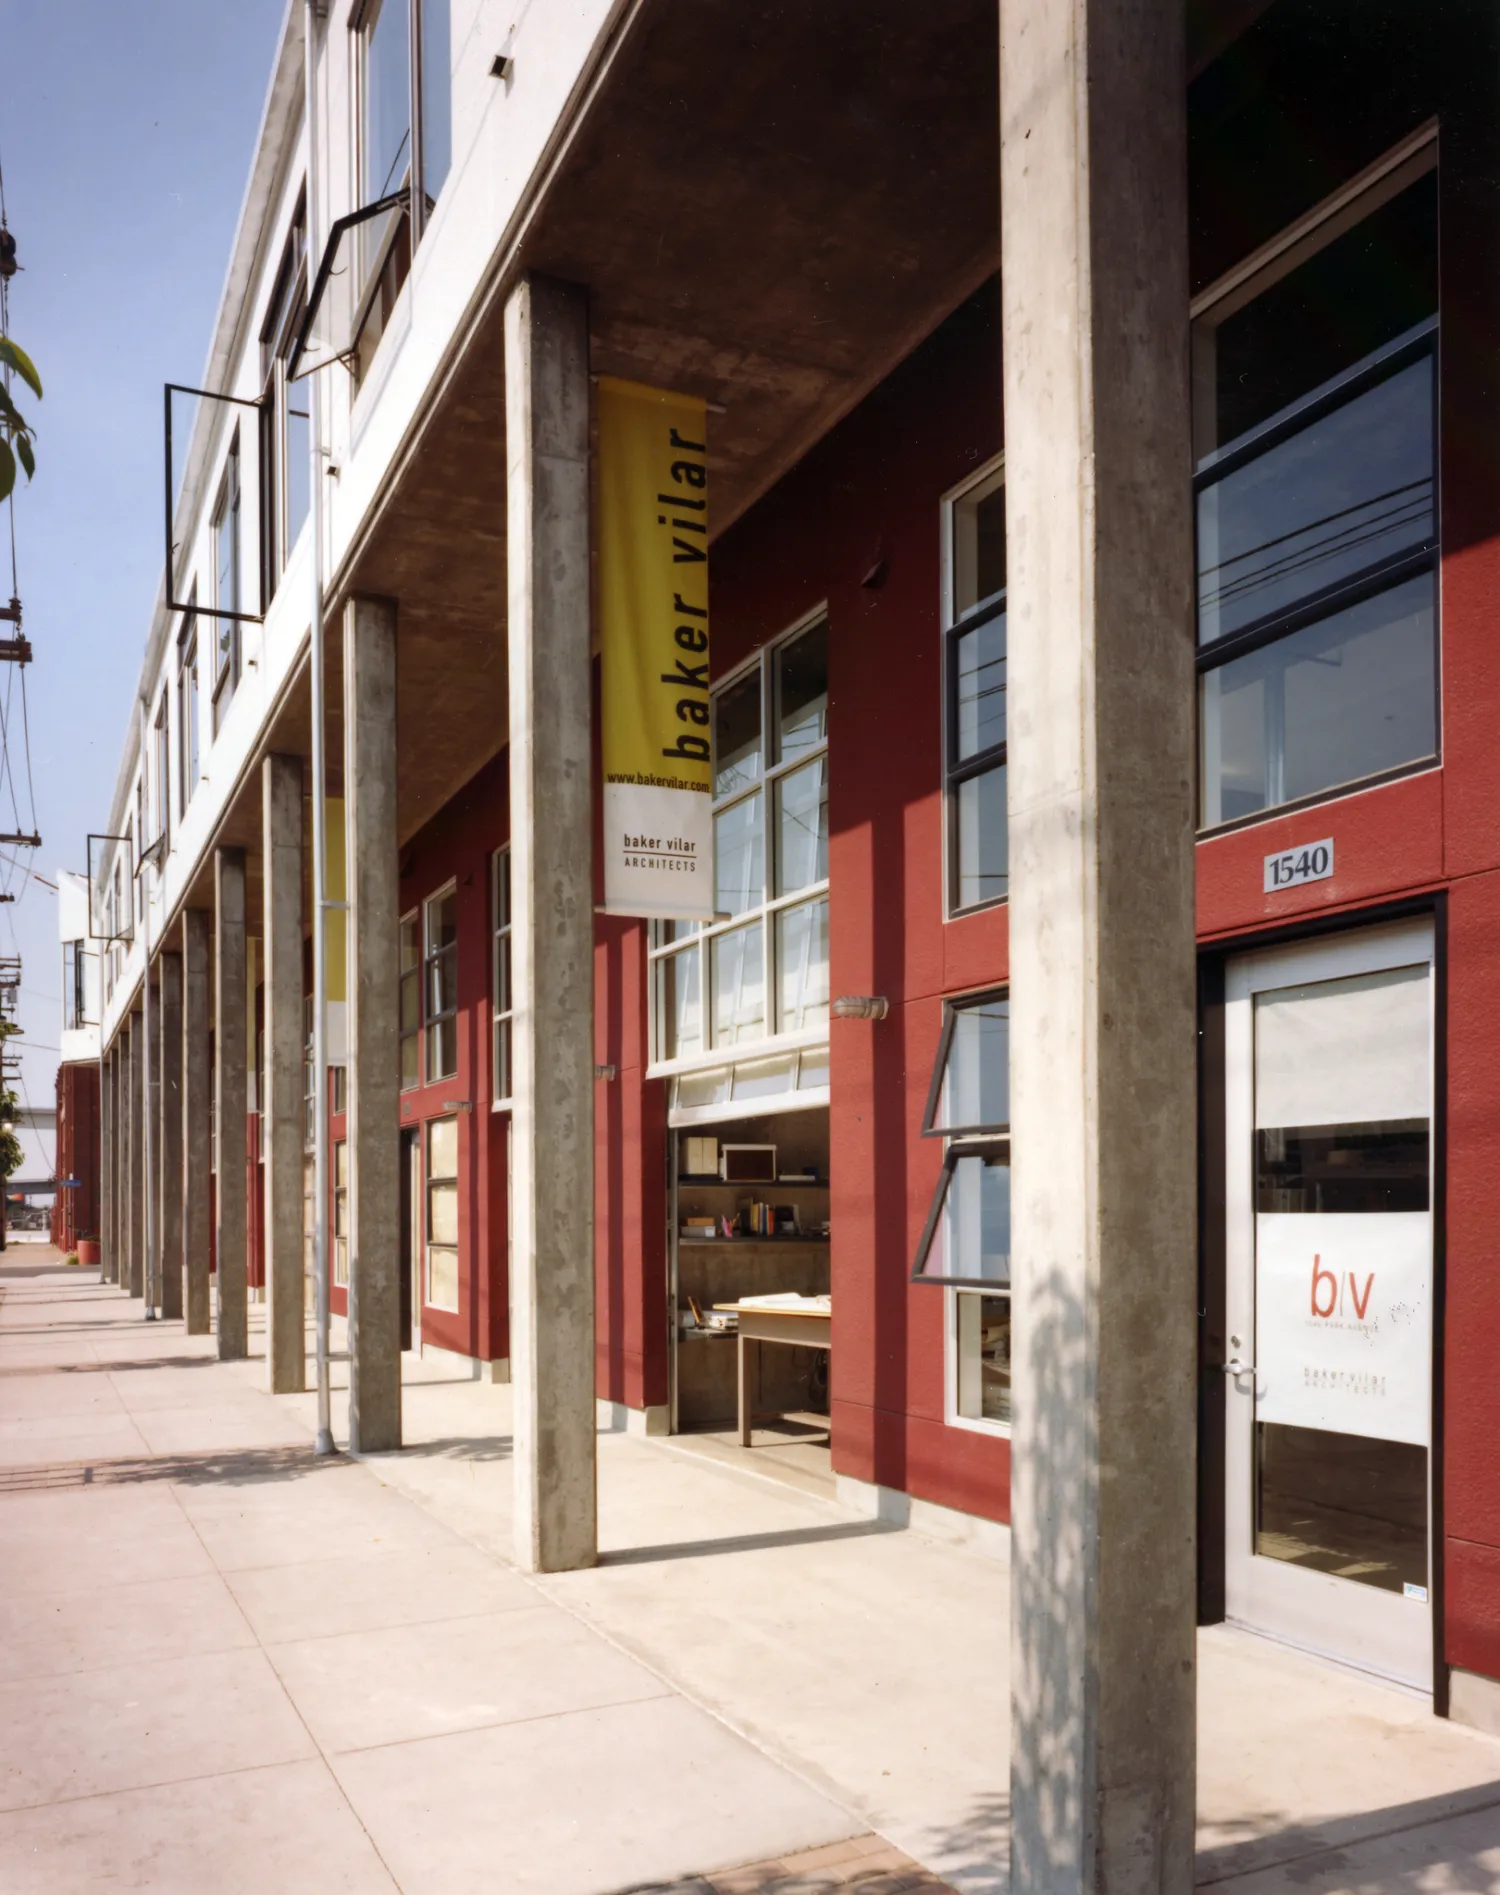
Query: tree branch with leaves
{"points": [[17, 436]]}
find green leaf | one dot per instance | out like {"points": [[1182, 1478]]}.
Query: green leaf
{"points": [[7, 470], [9, 411], [28, 458], [14, 356]]}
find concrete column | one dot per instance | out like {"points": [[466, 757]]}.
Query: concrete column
{"points": [[1094, 324], [135, 1198], [169, 1134], [229, 1102], [282, 1109], [374, 1072], [552, 927], [197, 1120], [122, 1155], [109, 1263], [151, 1152]]}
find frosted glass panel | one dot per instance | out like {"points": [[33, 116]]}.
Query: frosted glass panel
{"points": [[1345, 1051]]}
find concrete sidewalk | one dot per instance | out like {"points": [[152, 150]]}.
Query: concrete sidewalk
{"points": [[224, 1664]]}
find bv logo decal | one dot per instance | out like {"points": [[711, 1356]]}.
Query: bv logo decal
{"points": [[1325, 1281]]}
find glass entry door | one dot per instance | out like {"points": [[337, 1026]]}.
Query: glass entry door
{"points": [[1328, 1385]]}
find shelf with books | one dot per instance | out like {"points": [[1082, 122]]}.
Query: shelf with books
{"points": [[750, 1243]]}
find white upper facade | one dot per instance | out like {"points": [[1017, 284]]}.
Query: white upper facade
{"points": [[80, 971], [241, 531]]}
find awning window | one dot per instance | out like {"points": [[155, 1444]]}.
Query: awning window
{"points": [[966, 1239]]}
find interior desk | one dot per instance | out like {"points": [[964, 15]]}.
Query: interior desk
{"points": [[810, 1328]]}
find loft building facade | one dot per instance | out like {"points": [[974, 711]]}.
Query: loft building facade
{"points": [[1217, 977]]}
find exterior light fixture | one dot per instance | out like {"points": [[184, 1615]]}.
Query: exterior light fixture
{"points": [[861, 1007]]}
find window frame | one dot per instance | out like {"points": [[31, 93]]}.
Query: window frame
{"points": [[955, 1298], [430, 959], [161, 743], [413, 919], [502, 983], [662, 949], [280, 330], [75, 987], [982, 1141], [340, 1220], [383, 273], [956, 771], [227, 505], [1343, 211], [444, 1180], [187, 705]]}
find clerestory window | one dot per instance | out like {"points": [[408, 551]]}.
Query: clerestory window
{"points": [[760, 969], [1315, 415]]}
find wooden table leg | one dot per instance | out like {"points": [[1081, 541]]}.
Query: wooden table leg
{"points": [[744, 1391]]}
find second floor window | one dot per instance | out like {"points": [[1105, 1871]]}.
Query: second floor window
{"points": [[974, 722], [1314, 414], [409, 1012], [226, 556], [404, 142], [187, 711], [285, 466], [500, 1077], [440, 996], [75, 997], [762, 969], [163, 770]]}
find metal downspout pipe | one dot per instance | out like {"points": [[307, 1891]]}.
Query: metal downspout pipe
{"points": [[321, 905]]}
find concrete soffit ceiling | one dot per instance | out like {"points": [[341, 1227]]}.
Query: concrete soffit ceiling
{"points": [[769, 205]]}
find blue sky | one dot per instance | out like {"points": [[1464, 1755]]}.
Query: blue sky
{"points": [[126, 131]]}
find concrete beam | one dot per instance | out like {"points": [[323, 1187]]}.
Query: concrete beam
{"points": [[197, 1120], [374, 1072], [168, 1022], [552, 927], [282, 1109], [135, 1197], [230, 1163], [1101, 687]]}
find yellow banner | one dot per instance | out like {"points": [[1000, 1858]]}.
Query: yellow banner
{"points": [[653, 630]]}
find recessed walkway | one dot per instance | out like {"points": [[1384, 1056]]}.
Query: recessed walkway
{"points": [[225, 1664]]}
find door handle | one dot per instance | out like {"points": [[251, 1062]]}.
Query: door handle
{"points": [[1237, 1368]]}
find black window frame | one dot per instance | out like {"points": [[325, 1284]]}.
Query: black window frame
{"points": [[189, 732], [1399, 172], [956, 626], [988, 1142], [1380, 575], [280, 332], [75, 991], [161, 745], [227, 502]]}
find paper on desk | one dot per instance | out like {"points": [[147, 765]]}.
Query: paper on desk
{"points": [[789, 1299]]}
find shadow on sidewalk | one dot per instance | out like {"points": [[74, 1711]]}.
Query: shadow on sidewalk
{"points": [[748, 1543], [1268, 1842], [478, 1447], [236, 1468]]}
